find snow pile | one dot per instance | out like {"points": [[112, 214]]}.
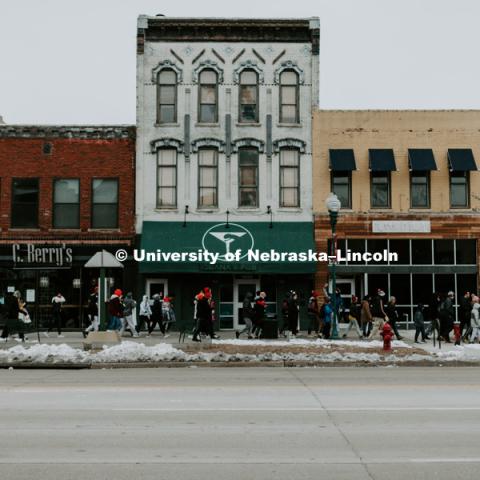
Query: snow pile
{"points": [[464, 353], [319, 342], [44, 354], [138, 352]]}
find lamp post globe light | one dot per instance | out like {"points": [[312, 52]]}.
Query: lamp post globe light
{"points": [[333, 206]]}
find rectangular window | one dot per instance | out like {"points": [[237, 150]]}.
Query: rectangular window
{"points": [[248, 177], [459, 190], [420, 189], [380, 189], [25, 193], [248, 101], [289, 178], [342, 187], [208, 91], [466, 252], [207, 178], [167, 96], [66, 203], [167, 178], [105, 203], [289, 97]]}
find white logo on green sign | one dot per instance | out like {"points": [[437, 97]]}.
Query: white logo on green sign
{"points": [[225, 239]]}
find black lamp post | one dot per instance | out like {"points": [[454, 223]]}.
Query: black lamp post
{"points": [[269, 212], [333, 206], [185, 213]]}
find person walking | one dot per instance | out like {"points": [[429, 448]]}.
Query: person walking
{"points": [[260, 308], [366, 316], [392, 314], [327, 314], [313, 314], [378, 313], [293, 314], [464, 313], [419, 322], [475, 320], [433, 316], [353, 317], [57, 302], [13, 308], [129, 306], [204, 315], [157, 315], [115, 310], [447, 314], [248, 314], [144, 314], [168, 314], [92, 310]]}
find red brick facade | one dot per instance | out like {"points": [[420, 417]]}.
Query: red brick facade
{"points": [[48, 153]]}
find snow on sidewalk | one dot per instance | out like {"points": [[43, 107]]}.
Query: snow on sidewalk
{"points": [[129, 351]]}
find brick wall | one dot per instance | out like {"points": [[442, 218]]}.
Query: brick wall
{"points": [[83, 158]]}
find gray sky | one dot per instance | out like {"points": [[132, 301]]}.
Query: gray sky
{"points": [[65, 61]]}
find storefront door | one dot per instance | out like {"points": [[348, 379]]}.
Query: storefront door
{"points": [[241, 288], [156, 285]]}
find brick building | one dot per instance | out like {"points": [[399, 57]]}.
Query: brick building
{"points": [[65, 193], [408, 183]]}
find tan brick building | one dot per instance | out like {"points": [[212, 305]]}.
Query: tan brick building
{"points": [[409, 183]]}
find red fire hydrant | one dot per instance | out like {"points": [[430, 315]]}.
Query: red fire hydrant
{"points": [[457, 333], [387, 335]]}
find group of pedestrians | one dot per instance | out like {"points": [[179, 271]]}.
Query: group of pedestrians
{"points": [[253, 314]]}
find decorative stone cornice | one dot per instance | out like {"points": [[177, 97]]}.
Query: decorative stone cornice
{"points": [[247, 65], [248, 142], [208, 142], [166, 143], [289, 65], [207, 64], [167, 64], [67, 131], [289, 143]]}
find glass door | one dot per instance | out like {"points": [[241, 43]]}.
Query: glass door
{"points": [[241, 288]]}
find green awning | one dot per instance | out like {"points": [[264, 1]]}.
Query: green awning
{"points": [[342, 160], [461, 160], [421, 160], [162, 239], [381, 160]]}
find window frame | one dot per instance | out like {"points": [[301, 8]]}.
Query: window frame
{"points": [[199, 167], [157, 205], [297, 97], [199, 100], [37, 224], [466, 176], [175, 103], [93, 203], [257, 187], [257, 92], [426, 174], [343, 173], [54, 204], [280, 167], [388, 176]]}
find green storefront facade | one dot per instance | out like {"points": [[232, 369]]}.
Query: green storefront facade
{"points": [[230, 277]]}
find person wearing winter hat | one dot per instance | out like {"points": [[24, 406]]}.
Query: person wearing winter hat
{"points": [[115, 310], [378, 313], [129, 306], [203, 315]]}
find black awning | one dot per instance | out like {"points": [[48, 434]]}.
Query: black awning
{"points": [[421, 159], [342, 160], [461, 160], [381, 160]]}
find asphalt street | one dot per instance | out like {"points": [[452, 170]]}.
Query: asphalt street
{"points": [[262, 423]]}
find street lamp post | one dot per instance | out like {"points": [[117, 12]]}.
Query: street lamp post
{"points": [[333, 206]]}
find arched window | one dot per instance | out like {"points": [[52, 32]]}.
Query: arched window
{"points": [[248, 97], [208, 96], [167, 96], [289, 96]]}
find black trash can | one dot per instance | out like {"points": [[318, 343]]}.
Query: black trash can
{"points": [[270, 327]]}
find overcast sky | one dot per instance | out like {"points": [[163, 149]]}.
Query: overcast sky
{"points": [[65, 61]]}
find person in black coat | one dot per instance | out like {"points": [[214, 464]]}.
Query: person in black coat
{"points": [[392, 314], [11, 311], [157, 316], [293, 313]]}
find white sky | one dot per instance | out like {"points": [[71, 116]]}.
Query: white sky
{"points": [[65, 61]]}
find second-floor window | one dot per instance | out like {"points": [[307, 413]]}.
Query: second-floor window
{"points": [[248, 177], [342, 187], [289, 97], [380, 189], [208, 97], [105, 203], [208, 177], [248, 102], [66, 203], [459, 189], [167, 178], [25, 203], [289, 178], [167, 96], [420, 189]]}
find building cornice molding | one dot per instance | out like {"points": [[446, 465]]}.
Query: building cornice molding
{"points": [[289, 65], [166, 142], [289, 143], [210, 65], [208, 142], [167, 65], [67, 131], [248, 142], [248, 65]]}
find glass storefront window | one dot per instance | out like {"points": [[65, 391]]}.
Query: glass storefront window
{"points": [[400, 288], [377, 245], [466, 252], [356, 246], [443, 252], [422, 288], [421, 252], [402, 249], [466, 283], [376, 281], [444, 282]]}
